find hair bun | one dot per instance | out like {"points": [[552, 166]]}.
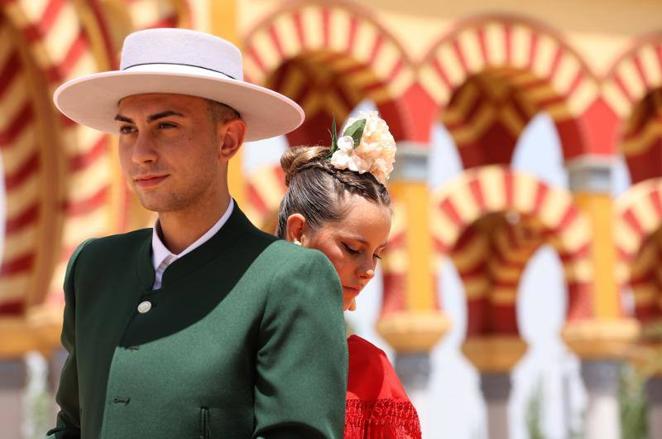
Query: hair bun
{"points": [[296, 158]]}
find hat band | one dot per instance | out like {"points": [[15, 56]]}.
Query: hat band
{"points": [[178, 64]]}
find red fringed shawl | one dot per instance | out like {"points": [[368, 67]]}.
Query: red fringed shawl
{"points": [[377, 406]]}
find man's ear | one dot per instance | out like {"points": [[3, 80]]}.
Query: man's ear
{"points": [[231, 136], [294, 230]]}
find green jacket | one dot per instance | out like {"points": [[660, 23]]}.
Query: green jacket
{"points": [[245, 339]]}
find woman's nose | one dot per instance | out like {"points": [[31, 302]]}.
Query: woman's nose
{"points": [[368, 271]]}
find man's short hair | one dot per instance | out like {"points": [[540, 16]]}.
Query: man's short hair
{"points": [[222, 113]]}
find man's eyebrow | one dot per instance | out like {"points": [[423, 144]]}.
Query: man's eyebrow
{"points": [[121, 118], [163, 114], [152, 117]]}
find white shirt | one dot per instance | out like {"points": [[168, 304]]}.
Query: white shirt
{"points": [[162, 257]]}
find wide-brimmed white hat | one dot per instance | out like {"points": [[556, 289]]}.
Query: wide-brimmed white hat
{"points": [[178, 61]]}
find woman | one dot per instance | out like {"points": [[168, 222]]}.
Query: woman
{"points": [[337, 202]]}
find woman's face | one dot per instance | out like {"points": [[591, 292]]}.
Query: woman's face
{"points": [[353, 244]]}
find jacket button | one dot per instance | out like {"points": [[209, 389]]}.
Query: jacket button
{"points": [[144, 306]]}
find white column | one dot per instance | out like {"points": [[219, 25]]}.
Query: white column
{"points": [[654, 397], [414, 372], [13, 376], [602, 410], [496, 391]]}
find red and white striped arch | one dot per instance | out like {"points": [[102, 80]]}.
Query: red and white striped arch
{"points": [[639, 245], [633, 76], [546, 212], [60, 49], [146, 14], [503, 42], [372, 58]]}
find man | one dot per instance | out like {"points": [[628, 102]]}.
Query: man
{"points": [[203, 326]]}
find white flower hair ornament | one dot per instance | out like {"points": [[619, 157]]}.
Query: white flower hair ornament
{"points": [[366, 145]]}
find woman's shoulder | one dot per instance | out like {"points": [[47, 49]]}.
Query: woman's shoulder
{"points": [[371, 375], [377, 404]]}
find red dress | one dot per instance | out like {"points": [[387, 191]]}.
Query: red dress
{"points": [[377, 406]]}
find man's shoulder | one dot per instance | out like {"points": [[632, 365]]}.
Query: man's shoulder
{"points": [[118, 243]]}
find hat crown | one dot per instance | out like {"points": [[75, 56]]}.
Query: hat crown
{"points": [[181, 47]]}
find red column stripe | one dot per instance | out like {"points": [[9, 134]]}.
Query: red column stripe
{"points": [[256, 200], [655, 199], [85, 159], [540, 197], [441, 72], [9, 72], [567, 219], [28, 169], [326, 27], [533, 50], [448, 208], [351, 35], [18, 123], [620, 83], [460, 56], [477, 193], [27, 217], [483, 45], [556, 61], [275, 39], [12, 307], [640, 70], [87, 205], [376, 47], [17, 265], [633, 222], [507, 29], [508, 186], [298, 26]]}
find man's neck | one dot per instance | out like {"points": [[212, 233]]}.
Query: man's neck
{"points": [[180, 229]]}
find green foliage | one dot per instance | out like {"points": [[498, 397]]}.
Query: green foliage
{"points": [[355, 130], [533, 415], [334, 137], [632, 403]]}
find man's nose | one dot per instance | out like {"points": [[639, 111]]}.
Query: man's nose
{"points": [[144, 150]]}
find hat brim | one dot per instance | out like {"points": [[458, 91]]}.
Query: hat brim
{"points": [[92, 100]]}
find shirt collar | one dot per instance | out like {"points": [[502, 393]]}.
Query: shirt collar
{"points": [[160, 252]]}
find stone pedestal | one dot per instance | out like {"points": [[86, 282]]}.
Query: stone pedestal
{"points": [[654, 397], [13, 377], [496, 391], [602, 410]]}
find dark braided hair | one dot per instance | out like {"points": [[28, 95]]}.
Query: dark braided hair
{"points": [[316, 189]]}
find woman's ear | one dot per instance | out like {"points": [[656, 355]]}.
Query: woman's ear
{"points": [[296, 223]]}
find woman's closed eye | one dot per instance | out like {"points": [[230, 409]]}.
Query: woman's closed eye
{"points": [[350, 249]]}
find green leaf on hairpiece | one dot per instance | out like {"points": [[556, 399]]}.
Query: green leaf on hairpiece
{"points": [[355, 130], [334, 137]]}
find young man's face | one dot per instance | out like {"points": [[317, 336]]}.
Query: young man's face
{"points": [[170, 151]]}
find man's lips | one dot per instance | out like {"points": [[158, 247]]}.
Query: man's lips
{"points": [[145, 181]]}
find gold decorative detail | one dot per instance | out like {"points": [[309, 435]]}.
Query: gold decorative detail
{"points": [[409, 332], [494, 353], [601, 339]]}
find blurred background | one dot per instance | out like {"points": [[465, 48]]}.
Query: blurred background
{"points": [[521, 293]]}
